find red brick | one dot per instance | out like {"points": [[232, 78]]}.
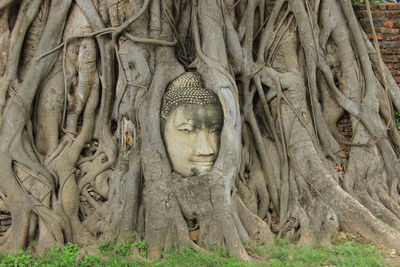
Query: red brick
{"points": [[378, 7], [393, 51], [374, 14], [387, 30], [394, 14], [378, 36], [392, 6], [378, 14], [383, 30], [389, 23], [392, 37], [392, 58]]}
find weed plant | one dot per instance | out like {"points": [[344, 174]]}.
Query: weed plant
{"points": [[285, 253]]}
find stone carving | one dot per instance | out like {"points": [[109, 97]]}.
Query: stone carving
{"points": [[192, 120]]}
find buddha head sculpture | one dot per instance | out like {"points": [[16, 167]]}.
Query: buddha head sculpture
{"points": [[192, 120]]}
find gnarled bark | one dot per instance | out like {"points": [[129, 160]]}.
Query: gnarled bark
{"points": [[82, 151]]}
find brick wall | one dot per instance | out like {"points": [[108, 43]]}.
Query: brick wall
{"points": [[387, 26]]}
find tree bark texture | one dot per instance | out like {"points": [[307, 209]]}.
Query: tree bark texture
{"points": [[82, 154]]}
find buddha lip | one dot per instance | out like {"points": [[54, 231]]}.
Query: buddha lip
{"points": [[205, 162]]}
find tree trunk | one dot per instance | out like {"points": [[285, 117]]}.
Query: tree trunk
{"points": [[82, 136]]}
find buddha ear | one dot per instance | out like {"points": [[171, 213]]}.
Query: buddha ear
{"points": [[162, 125]]}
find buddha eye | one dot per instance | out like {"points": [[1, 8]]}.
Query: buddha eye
{"points": [[215, 130], [187, 130]]}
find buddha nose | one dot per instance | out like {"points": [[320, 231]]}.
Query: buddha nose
{"points": [[205, 145]]}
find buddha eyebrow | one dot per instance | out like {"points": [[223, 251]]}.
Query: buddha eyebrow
{"points": [[185, 123], [213, 125]]}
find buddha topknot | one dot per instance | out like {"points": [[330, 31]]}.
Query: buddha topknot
{"points": [[186, 89]]}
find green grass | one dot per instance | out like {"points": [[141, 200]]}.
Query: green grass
{"points": [[284, 253], [345, 253], [371, 1]]}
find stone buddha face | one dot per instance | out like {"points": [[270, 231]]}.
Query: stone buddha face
{"points": [[192, 120]]}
